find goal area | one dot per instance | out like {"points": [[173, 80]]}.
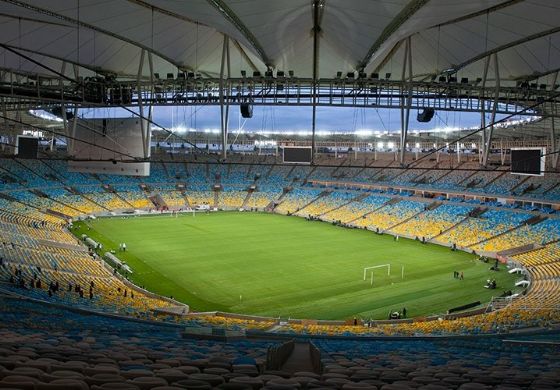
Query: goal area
{"points": [[372, 268]]}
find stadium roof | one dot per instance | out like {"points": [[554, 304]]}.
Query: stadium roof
{"points": [[446, 36]]}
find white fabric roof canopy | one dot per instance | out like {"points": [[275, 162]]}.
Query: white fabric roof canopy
{"points": [[108, 35]]}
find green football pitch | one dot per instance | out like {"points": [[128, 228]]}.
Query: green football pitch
{"points": [[273, 265]]}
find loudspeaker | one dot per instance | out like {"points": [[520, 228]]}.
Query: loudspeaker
{"points": [[425, 115], [246, 110]]}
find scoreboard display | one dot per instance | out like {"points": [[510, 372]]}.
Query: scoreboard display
{"points": [[528, 161], [296, 155]]}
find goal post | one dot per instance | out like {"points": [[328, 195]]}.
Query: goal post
{"points": [[366, 269], [370, 269]]}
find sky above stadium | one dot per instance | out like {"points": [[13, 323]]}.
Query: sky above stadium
{"points": [[273, 119]]}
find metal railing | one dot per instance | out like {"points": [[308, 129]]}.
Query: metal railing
{"points": [[285, 91]]}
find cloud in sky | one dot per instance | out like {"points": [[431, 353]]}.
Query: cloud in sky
{"points": [[294, 118], [270, 118]]}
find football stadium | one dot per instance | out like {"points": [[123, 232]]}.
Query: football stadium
{"points": [[289, 195]]}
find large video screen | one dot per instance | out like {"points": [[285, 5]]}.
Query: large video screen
{"points": [[528, 161], [112, 146], [296, 155], [27, 147]]}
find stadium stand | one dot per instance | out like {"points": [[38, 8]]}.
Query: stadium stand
{"points": [[170, 195], [133, 196], [32, 241], [121, 119], [87, 351], [198, 198], [540, 233], [232, 198], [327, 203], [484, 227], [356, 209], [263, 197], [296, 200], [391, 215], [433, 222]]}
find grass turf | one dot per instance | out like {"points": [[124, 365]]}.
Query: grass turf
{"points": [[273, 265]]}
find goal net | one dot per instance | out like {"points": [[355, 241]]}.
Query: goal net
{"points": [[371, 269]]}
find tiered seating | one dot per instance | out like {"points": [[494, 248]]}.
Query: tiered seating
{"points": [[387, 175], [457, 179], [70, 178], [30, 245], [408, 177], [346, 173], [26, 175], [22, 212], [109, 294], [38, 167], [197, 198], [327, 203], [322, 173], [36, 232], [232, 198], [257, 170], [97, 352], [36, 260], [106, 199], [263, 197], [356, 209], [42, 174], [8, 181], [552, 193], [433, 222], [486, 226], [170, 195], [67, 261], [547, 254], [83, 351], [177, 171], [524, 312], [289, 173], [275, 180], [236, 177], [198, 177], [536, 186], [434, 364], [134, 196], [15, 212], [504, 184], [391, 215], [367, 175], [220, 172], [430, 176], [61, 201], [296, 199], [481, 180], [543, 265], [157, 174], [541, 233], [544, 297], [78, 202], [41, 203]]}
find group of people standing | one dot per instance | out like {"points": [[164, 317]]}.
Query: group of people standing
{"points": [[458, 275]]}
